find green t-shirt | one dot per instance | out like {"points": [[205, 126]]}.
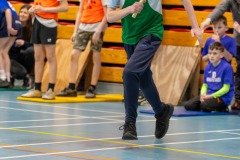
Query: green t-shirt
{"points": [[149, 21]]}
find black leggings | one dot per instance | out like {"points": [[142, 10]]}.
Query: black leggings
{"points": [[195, 104]]}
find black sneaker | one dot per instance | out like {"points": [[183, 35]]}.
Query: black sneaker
{"points": [[162, 122], [141, 99], [91, 93], [129, 131], [67, 92]]}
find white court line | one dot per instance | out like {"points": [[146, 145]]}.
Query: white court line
{"points": [[58, 106], [57, 119], [231, 133], [64, 125], [116, 138], [53, 113], [115, 148]]}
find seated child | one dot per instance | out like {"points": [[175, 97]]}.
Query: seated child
{"points": [[218, 89]]}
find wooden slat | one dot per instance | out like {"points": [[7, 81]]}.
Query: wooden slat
{"points": [[203, 3], [180, 18], [111, 74], [113, 56]]}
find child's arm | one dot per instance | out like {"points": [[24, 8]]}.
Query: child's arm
{"points": [[63, 7], [114, 15], [8, 15], [101, 27], [225, 89], [227, 55], [195, 28]]}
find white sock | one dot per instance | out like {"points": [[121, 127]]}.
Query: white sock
{"points": [[2, 75]]}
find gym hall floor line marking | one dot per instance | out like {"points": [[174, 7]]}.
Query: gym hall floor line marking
{"points": [[155, 146], [46, 151], [115, 138]]}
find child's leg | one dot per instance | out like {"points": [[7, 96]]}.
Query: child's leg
{"points": [[2, 72], [193, 104], [5, 56], [39, 56], [51, 58], [215, 104], [74, 65], [96, 67]]}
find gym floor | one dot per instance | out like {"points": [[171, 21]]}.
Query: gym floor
{"points": [[90, 131]]}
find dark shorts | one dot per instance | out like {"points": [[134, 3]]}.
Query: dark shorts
{"points": [[16, 24], [42, 34], [82, 38]]}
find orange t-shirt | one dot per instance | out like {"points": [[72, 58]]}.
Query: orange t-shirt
{"points": [[92, 11], [47, 3]]}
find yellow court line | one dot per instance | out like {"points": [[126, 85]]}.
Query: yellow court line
{"points": [[125, 143]]}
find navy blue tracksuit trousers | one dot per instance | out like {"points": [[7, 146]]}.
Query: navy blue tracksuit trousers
{"points": [[137, 74]]}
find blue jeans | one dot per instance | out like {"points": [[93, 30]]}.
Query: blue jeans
{"points": [[137, 74]]}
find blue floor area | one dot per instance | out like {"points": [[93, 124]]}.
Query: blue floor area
{"points": [[89, 131]]}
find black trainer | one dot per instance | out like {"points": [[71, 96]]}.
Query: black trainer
{"points": [[91, 93], [67, 92], [162, 122], [129, 131]]}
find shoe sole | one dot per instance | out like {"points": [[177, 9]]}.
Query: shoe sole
{"points": [[168, 117], [129, 136]]}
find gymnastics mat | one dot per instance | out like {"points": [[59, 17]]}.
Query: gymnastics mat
{"points": [[78, 99], [182, 112]]}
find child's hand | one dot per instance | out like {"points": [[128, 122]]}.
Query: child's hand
{"points": [[36, 8], [207, 97], [216, 38], [96, 37], [12, 31], [236, 26], [19, 43], [73, 37], [136, 7], [202, 97]]}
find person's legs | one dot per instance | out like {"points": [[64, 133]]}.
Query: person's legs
{"points": [[96, 48], [39, 56], [18, 71], [193, 104], [5, 56], [28, 59], [138, 74], [215, 104], [80, 43], [52, 61], [236, 104]]}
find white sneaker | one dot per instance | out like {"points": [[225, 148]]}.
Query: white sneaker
{"points": [[33, 94], [49, 95]]}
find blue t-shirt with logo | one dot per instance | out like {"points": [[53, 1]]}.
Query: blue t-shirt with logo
{"points": [[216, 77]]}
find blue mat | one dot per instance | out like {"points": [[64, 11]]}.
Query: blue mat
{"points": [[182, 112]]}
